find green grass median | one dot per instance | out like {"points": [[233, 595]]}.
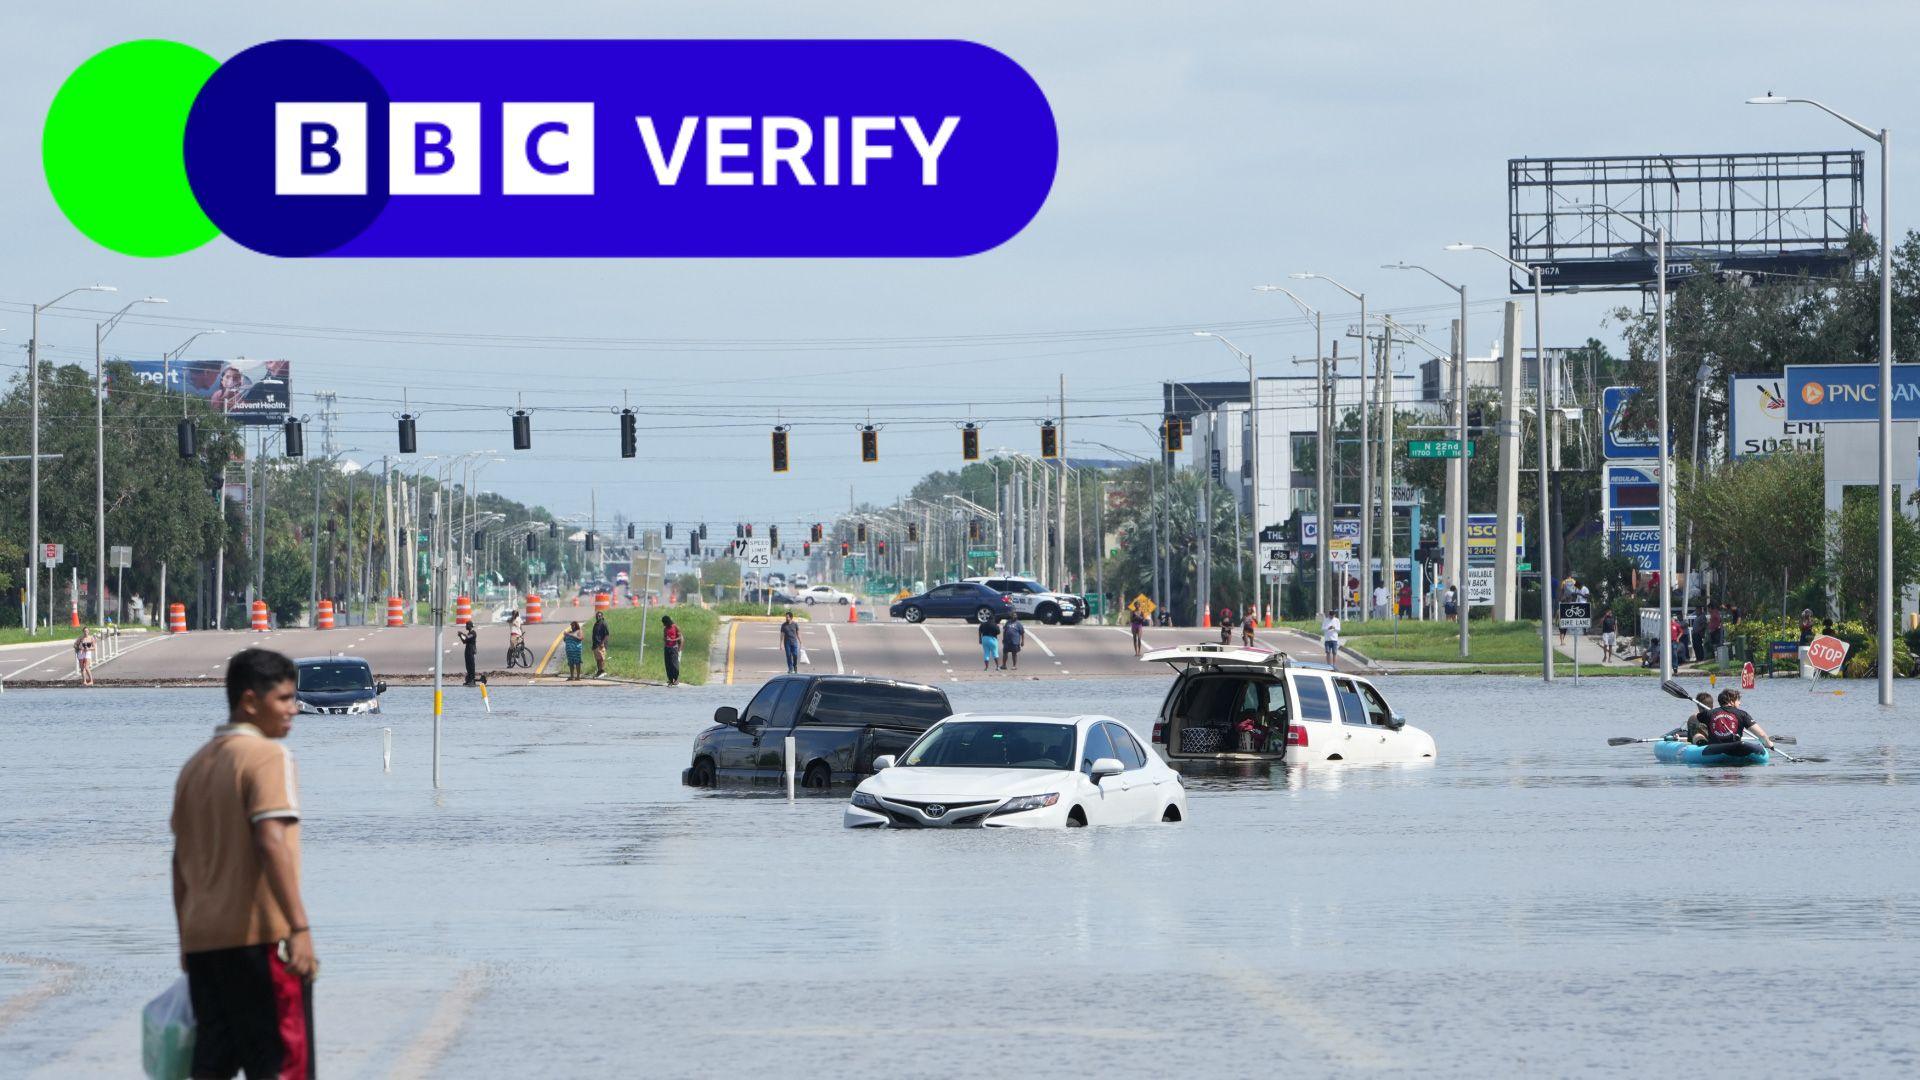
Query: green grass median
{"points": [[623, 657], [1433, 641], [18, 635]]}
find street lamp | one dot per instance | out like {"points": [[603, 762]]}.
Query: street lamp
{"points": [[1366, 455], [33, 454], [100, 332], [1545, 523], [1659, 233], [1459, 509], [1323, 471], [1253, 436], [1884, 137]]}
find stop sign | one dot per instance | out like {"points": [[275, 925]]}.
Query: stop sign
{"points": [[1827, 653]]}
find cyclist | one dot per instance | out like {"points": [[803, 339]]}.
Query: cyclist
{"points": [[516, 636]]}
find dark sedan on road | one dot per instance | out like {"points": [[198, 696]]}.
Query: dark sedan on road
{"points": [[337, 684], [967, 600]]}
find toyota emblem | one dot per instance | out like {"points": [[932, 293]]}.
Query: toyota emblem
{"points": [[936, 810]]}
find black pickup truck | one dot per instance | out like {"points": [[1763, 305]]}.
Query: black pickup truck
{"points": [[839, 723]]}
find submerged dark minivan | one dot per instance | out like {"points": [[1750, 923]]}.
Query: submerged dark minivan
{"points": [[839, 723], [337, 684]]}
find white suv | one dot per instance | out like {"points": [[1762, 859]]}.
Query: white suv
{"points": [[1035, 601]]}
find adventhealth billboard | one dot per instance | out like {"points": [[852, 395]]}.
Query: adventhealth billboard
{"points": [[553, 148], [1835, 392]]}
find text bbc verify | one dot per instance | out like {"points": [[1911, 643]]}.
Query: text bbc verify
{"points": [[547, 148]]}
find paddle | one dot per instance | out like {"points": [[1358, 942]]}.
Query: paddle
{"points": [[1674, 689]]}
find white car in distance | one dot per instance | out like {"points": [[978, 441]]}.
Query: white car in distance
{"points": [[981, 771], [823, 594]]}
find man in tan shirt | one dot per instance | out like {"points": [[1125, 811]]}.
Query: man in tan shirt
{"points": [[244, 940]]}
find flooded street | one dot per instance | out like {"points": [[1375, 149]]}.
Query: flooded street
{"points": [[1532, 902]]}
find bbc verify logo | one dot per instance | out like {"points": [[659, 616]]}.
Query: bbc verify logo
{"points": [[556, 148], [321, 148]]}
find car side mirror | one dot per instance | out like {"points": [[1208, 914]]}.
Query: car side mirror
{"points": [[1105, 767], [1396, 721], [727, 715], [884, 761], [379, 688]]}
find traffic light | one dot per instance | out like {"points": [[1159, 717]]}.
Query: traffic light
{"points": [[589, 541], [739, 531], [186, 432], [703, 530], [973, 530], [913, 532], [773, 535], [818, 532], [883, 547], [806, 547], [970, 442], [749, 528], [479, 541], [693, 546], [532, 544], [629, 530], [869, 443], [669, 530], [1049, 440], [845, 548], [522, 429], [296, 438], [553, 529], [860, 533], [1175, 436], [408, 444], [629, 436], [780, 449]]}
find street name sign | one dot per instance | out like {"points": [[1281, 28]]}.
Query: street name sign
{"points": [[1436, 448]]}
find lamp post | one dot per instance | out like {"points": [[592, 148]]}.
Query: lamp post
{"points": [[1366, 465], [1323, 470], [1543, 389], [1659, 233], [100, 332], [1253, 435], [1459, 510], [1885, 138], [33, 454]]}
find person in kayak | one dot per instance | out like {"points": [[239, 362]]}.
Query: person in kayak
{"points": [[1697, 725], [1729, 722]]}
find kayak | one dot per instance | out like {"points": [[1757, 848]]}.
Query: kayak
{"points": [[1675, 752]]}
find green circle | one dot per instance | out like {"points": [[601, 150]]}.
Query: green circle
{"points": [[114, 148]]}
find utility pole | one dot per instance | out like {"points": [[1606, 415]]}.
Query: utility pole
{"points": [[1385, 385], [1060, 504], [1506, 581]]}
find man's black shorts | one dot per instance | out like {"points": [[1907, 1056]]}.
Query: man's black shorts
{"points": [[250, 1012]]}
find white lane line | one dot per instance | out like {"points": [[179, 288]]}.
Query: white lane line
{"points": [[55, 655], [938, 651], [1145, 645], [1035, 638], [839, 667]]}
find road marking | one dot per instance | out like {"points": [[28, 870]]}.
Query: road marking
{"points": [[1145, 645], [839, 667], [938, 651], [1043, 645], [57, 654], [733, 632]]}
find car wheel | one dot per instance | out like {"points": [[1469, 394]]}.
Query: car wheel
{"points": [[914, 614], [703, 772], [1049, 613], [983, 614], [843, 601], [819, 776], [1172, 814], [1076, 818], [809, 601]]}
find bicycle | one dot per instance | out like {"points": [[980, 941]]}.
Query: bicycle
{"points": [[518, 655]]}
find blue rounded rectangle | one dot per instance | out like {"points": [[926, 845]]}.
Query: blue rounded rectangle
{"points": [[768, 149]]}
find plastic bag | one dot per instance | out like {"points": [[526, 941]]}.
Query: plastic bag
{"points": [[804, 658], [166, 1033]]}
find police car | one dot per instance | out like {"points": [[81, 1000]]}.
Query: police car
{"points": [[1035, 601]]}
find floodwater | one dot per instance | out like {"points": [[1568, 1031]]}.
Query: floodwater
{"points": [[1532, 903]]}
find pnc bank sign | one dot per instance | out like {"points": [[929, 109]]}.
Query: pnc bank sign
{"points": [[554, 148], [1826, 393]]}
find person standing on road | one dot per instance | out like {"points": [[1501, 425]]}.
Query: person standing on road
{"points": [[1609, 634], [1330, 637], [470, 646], [1226, 625], [1012, 639], [83, 647], [989, 642], [670, 649], [600, 635], [573, 641], [1137, 625], [790, 642], [244, 938], [1247, 626]]}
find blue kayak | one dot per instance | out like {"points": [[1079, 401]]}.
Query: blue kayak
{"points": [[1675, 752]]}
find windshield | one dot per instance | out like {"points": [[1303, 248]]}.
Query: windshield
{"points": [[328, 678], [981, 744]]}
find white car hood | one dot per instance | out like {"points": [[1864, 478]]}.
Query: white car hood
{"points": [[931, 783]]}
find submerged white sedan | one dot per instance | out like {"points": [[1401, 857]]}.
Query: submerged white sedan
{"points": [[973, 771]]}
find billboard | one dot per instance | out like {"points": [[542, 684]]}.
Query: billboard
{"points": [[1483, 537], [1618, 439], [1757, 419], [1830, 392], [245, 391]]}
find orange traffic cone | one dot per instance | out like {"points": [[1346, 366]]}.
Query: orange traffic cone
{"points": [[1206, 617], [1268, 624], [853, 612], [76, 614]]}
